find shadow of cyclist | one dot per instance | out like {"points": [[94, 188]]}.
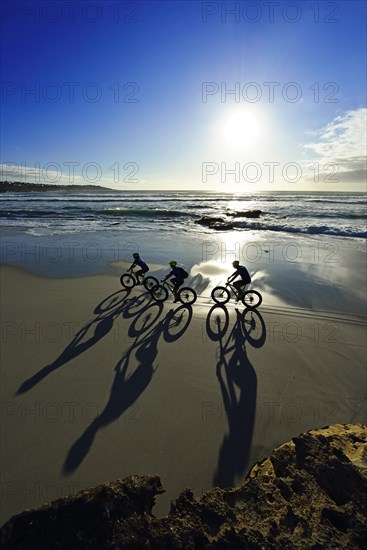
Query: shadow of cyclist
{"points": [[127, 387], [238, 384], [85, 338], [125, 390]]}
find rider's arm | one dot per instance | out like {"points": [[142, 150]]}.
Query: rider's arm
{"points": [[168, 276], [233, 276]]}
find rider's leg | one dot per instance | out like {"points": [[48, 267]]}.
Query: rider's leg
{"points": [[176, 285], [237, 285], [242, 290], [140, 276], [240, 287]]}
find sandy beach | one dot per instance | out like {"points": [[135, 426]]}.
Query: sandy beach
{"points": [[98, 382]]}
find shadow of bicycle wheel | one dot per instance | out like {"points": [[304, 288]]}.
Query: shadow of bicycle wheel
{"points": [[217, 322], [253, 326], [176, 322]]}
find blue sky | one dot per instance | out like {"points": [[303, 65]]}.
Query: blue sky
{"points": [[136, 95]]}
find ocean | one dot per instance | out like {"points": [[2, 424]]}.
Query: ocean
{"points": [[52, 213]]}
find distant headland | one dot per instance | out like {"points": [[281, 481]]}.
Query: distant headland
{"points": [[25, 187]]}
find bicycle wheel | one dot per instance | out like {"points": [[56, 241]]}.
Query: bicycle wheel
{"points": [[150, 282], [252, 299], [159, 293], [127, 280], [221, 295], [187, 295]]}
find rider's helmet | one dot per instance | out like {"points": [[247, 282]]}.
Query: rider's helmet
{"points": [[236, 263], [136, 255], [173, 263]]}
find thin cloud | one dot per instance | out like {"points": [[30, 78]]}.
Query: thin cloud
{"points": [[342, 144]]}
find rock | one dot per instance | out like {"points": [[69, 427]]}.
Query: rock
{"points": [[221, 226], [209, 221], [248, 214], [88, 519], [311, 493]]}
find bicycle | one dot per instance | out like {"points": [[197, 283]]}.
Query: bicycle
{"points": [[185, 295], [249, 298], [130, 279]]}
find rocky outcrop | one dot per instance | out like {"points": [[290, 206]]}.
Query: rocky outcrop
{"points": [[248, 214], [218, 223], [207, 221], [222, 226], [215, 223], [311, 493]]}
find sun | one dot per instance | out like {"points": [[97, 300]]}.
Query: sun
{"points": [[241, 128]]}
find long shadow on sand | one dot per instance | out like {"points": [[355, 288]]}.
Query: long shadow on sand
{"points": [[238, 386], [106, 314], [127, 386]]}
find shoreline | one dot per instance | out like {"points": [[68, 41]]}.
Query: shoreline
{"points": [[308, 272]]}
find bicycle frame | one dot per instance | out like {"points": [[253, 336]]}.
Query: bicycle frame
{"points": [[170, 286], [249, 297], [185, 295], [234, 289], [147, 281], [134, 274]]}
